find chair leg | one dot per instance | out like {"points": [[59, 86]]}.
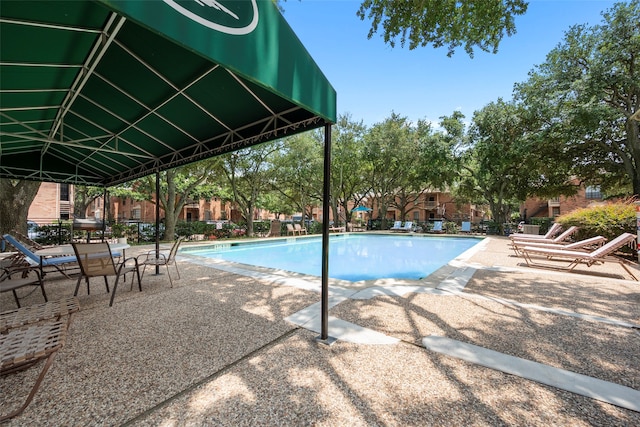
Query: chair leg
{"points": [[169, 274], [44, 295], [139, 279], [15, 296], [106, 283], [113, 294], [177, 271], [34, 389], [75, 293]]}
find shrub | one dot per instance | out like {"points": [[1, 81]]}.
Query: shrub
{"points": [[608, 220]]}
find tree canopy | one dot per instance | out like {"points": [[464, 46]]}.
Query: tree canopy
{"points": [[443, 23], [584, 96]]}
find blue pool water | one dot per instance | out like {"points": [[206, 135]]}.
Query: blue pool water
{"points": [[351, 257]]}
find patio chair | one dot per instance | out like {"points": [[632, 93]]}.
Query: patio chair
{"points": [[291, 230], [21, 348], [437, 227], [300, 229], [23, 316], [275, 229], [20, 277], [600, 255], [149, 259], [59, 263], [96, 260], [589, 243], [465, 227], [397, 226], [553, 231]]}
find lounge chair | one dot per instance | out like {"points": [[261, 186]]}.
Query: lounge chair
{"points": [[466, 227], [21, 348], [96, 260], [31, 334], [407, 227], [602, 254], [437, 227], [553, 231], [589, 243], [60, 263], [23, 316], [291, 230], [149, 259], [397, 226], [300, 229], [561, 239], [558, 239], [16, 278]]}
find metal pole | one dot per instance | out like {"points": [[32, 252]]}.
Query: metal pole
{"points": [[104, 212], [326, 193], [157, 220]]}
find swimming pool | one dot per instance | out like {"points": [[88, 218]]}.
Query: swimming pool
{"points": [[351, 257]]}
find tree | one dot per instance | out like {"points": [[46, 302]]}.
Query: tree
{"points": [[15, 201], [392, 150], [298, 181], [472, 23], [584, 95], [178, 187], [249, 173], [83, 196], [505, 163], [350, 170]]}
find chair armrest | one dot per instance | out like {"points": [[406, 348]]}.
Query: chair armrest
{"points": [[152, 255]]}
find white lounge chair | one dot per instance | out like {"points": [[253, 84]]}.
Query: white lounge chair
{"points": [[602, 254], [553, 231], [559, 239], [407, 227], [465, 227], [589, 243], [437, 227], [397, 226]]}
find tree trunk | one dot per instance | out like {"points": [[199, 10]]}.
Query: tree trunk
{"points": [[15, 201]]}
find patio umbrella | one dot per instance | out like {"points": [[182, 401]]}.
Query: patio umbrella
{"points": [[360, 209]]}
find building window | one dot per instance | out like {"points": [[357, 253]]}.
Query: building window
{"points": [[416, 215], [64, 192], [593, 192], [135, 213], [555, 211]]}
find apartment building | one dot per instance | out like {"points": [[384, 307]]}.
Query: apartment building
{"points": [[53, 202], [550, 208]]}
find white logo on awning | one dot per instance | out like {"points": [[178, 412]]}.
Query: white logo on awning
{"points": [[211, 13]]}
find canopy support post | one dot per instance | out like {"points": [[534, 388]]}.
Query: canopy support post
{"points": [[105, 194], [326, 194], [157, 221]]}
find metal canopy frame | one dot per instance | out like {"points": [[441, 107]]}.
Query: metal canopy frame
{"points": [[101, 92], [96, 93]]}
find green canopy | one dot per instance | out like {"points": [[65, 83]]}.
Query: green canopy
{"points": [[102, 92]]}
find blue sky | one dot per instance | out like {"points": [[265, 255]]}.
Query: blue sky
{"points": [[372, 79]]}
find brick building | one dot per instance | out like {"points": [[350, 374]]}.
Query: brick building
{"points": [[551, 208], [53, 202]]}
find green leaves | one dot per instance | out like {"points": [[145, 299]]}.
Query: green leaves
{"points": [[583, 96], [443, 23]]}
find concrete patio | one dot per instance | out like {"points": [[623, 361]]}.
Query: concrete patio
{"points": [[232, 349]]}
